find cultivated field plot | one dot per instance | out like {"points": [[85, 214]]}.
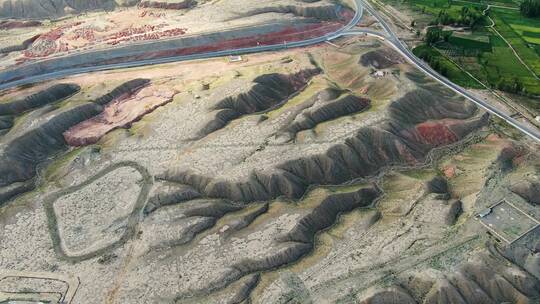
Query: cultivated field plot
{"points": [[508, 222], [480, 50]]}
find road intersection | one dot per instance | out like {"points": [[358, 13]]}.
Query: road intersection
{"points": [[388, 36]]}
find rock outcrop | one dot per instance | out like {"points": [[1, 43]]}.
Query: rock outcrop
{"points": [[21, 157], [528, 189], [167, 193], [326, 214], [49, 8], [300, 240], [38, 9]]}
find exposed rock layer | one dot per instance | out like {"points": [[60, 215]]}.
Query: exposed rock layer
{"points": [[419, 122], [21, 156]]}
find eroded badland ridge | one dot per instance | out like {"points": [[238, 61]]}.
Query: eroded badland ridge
{"points": [[333, 173]]}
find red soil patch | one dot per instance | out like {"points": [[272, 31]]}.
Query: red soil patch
{"points": [[289, 34], [449, 171], [143, 33], [493, 138], [46, 45], [62, 38], [436, 133], [119, 113]]}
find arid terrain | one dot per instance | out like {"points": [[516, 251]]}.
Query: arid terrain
{"points": [[334, 173]]}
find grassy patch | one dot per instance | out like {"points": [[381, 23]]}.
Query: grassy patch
{"points": [[513, 27], [471, 43]]}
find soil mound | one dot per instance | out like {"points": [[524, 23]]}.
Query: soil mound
{"points": [[119, 113], [381, 59], [529, 190], [438, 185], [11, 24], [19, 47]]}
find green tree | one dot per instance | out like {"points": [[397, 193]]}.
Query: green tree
{"points": [[445, 18], [433, 35], [470, 16], [530, 8]]}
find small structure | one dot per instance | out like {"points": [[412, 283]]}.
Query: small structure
{"points": [[235, 58], [484, 213]]}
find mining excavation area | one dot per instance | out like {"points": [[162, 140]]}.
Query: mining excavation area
{"points": [[333, 173]]}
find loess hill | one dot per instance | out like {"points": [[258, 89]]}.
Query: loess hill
{"points": [[300, 176]]}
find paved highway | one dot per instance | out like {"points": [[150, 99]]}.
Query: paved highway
{"points": [[361, 5], [256, 49]]}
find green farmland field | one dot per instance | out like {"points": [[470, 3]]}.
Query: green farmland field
{"points": [[482, 52]]}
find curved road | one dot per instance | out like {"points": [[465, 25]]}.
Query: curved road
{"points": [[255, 49], [390, 37], [402, 48]]}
